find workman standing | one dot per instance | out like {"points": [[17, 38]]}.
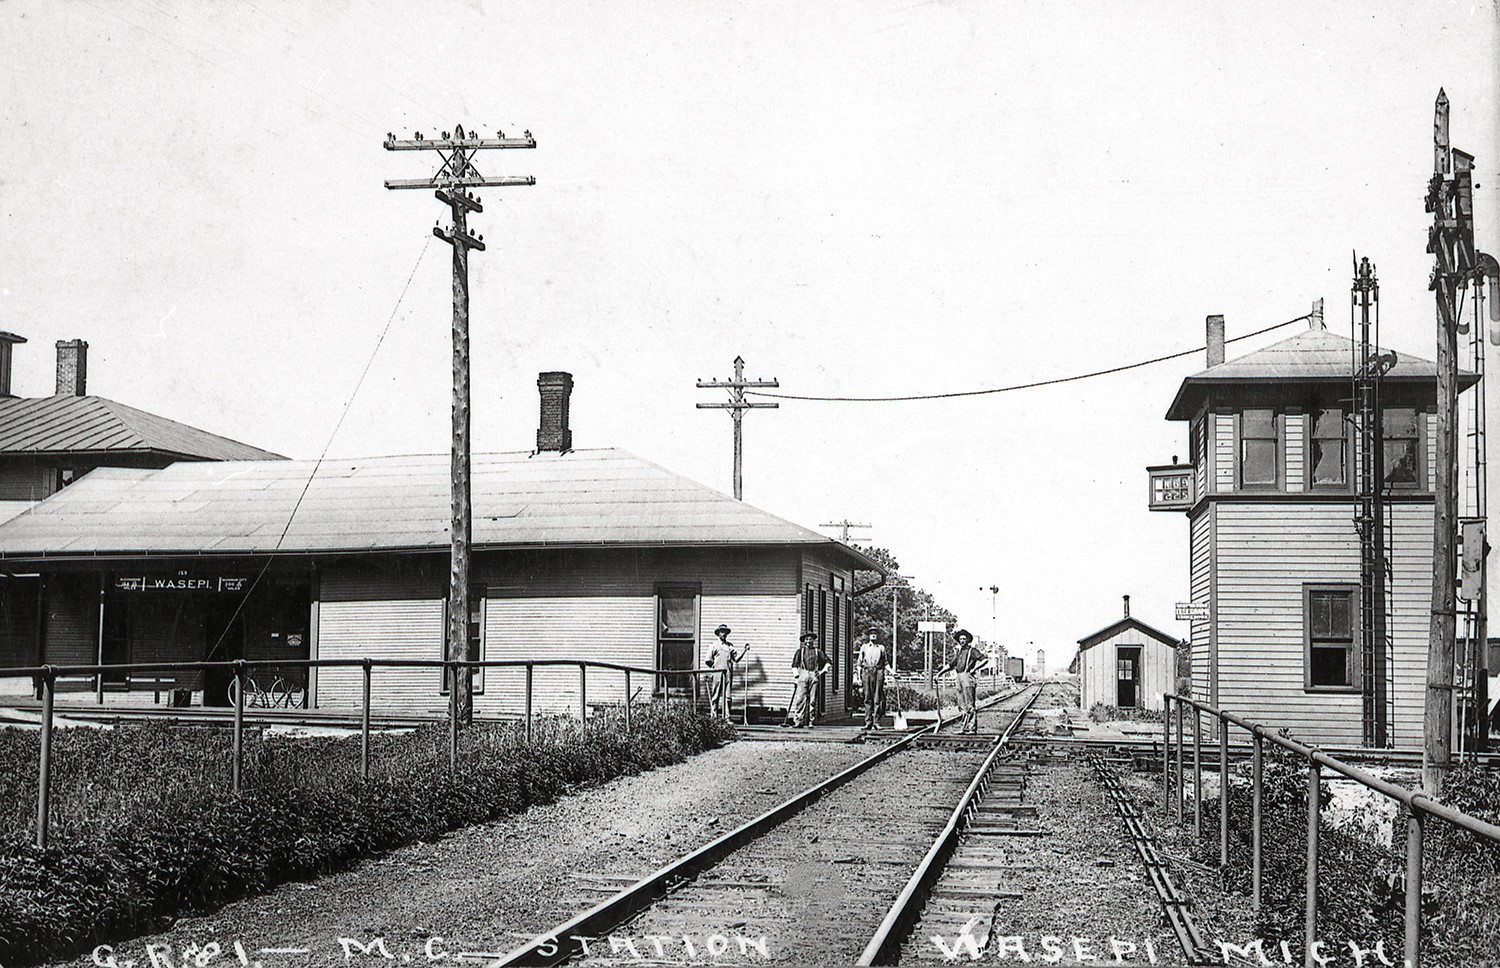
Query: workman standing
{"points": [[872, 662], [809, 662], [966, 662], [721, 658]]}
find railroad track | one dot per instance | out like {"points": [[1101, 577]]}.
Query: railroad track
{"points": [[838, 873]]}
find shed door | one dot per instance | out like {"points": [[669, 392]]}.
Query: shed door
{"points": [[1127, 675]]}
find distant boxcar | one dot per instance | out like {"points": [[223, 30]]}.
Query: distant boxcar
{"points": [[1015, 667]]}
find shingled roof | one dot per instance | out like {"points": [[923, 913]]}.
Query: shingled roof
{"points": [[66, 424], [1312, 356], [581, 498]]}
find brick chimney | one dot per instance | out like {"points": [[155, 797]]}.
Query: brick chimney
{"points": [[553, 433], [1215, 340], [1315, 318], [7, 340], [1127, 597], [72, 368]]}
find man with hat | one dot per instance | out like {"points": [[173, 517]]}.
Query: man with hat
{"points": [[808, 663], [872, 662], [722, 657], [966, 661]]}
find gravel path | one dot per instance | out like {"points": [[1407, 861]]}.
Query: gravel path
{"points": [[486, 888]]}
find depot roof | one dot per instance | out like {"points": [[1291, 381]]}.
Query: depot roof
{"points": [[581, 498]]}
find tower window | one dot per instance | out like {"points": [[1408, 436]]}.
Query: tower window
{"points": [[1258, 448], [1329, 619], [1330, 443], [1399, 449]]}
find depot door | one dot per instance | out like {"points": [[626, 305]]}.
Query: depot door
{"points": [[1127, 676]]}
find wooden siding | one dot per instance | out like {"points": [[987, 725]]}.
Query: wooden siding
{"points": [[1200, 553], [613, 573], [621, 630], [769, 624], [1295, 431], [1265, 553], [401, 629], [1223, 451], [1097, 670], [584, 604]]}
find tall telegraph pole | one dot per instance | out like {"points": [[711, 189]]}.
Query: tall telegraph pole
{"points": [[737, 406], [451, 183], [1451, 241]]}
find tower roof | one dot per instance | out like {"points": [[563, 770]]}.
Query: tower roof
{"points": [[1313, 356]]}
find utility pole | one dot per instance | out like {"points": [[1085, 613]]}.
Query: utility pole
{"points": [[844, 527], [895, 595], [1451, 241], [451, 183], [737, 406]]}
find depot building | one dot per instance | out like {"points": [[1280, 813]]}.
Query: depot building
{"points": [[591, 554]]}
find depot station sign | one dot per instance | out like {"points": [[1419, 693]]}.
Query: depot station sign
{"points": [[181, 583]]}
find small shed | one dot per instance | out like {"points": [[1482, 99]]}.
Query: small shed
{"points": [[1128, 664]]}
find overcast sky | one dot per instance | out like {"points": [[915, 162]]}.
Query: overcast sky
{"points": [[860, 198]]}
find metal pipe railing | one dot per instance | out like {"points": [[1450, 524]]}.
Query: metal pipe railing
{"points": [[1416, 806], [46, 677]]}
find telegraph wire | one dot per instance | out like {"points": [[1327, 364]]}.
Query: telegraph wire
{"points": [[326, 447], [1018, 386]]}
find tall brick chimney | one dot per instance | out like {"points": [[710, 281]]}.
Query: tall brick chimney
{"points": [[72, 368], [1215, 340], [7, 340], [553, 433], [1127, 606]]}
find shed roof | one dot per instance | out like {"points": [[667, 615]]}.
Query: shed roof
{"points": [[1311, 356], [1129, 622], [578, 499], [66, 424]]}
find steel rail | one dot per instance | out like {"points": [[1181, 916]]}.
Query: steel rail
{"points": [[561, 944], [885, 944]]}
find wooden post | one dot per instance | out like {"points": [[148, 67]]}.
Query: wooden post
{"points": [[364, 726], [1445, 244], [452, 182], [239, 722], [44, 761]]}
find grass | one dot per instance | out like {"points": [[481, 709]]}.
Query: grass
{"points": [[1362, 883], [145, 827]]}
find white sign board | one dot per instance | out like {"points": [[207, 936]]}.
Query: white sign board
{"points": [[932, 627], [1192, 611]]}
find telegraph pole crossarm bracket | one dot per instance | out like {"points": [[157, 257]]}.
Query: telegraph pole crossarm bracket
{"points": [[464, 238], [463, 181], [450, 144], [746, 405]]}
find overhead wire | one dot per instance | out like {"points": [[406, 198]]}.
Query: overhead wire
{"points": [[348, 404], [1018, 386]]}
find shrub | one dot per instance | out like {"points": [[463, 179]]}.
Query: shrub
{"points": [[1362, 884], [165, 836]]}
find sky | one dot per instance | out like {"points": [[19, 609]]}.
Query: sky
{"points": [[861, 199]]}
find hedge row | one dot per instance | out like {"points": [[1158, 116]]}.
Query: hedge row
{"points": [[178, 845]]}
